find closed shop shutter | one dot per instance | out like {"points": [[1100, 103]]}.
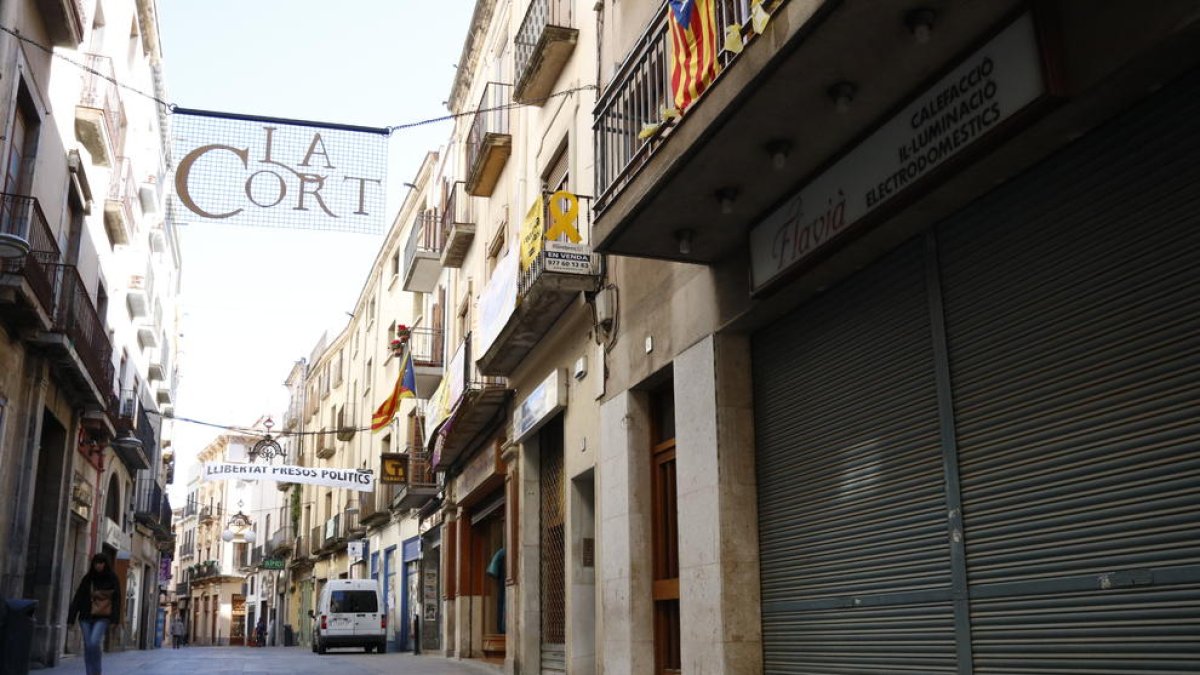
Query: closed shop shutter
{"points": [[854, 553], [1071, 391], [1072, 303]]}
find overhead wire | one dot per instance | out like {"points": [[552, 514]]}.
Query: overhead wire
{"points": [[171, 107]]}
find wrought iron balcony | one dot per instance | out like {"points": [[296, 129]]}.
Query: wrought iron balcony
{"points": [[547, 285], [149, 328], [207, 515], [282, 541], [428, 349], [164, 391], [351, 525], [78, 341], [543, 45], [458, 225], [422, 253], [158, 365], [140, 292], [373, 506], [421, 485], [27, 282], [476, 399], [489, 142], [316, 540], [100, 115], [64, 20], [205, 570], [118, 206], [325, 446]]}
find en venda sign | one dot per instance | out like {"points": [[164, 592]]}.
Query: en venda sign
{"points": [[987, 88], [265, 172]]}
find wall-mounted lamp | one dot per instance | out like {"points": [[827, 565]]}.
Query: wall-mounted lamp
{"points": [[920, 24], [725, 198], [238, 526], [684, 238], [779, 150], [842, 95], [127, 442]]}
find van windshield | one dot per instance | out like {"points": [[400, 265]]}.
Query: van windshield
{"points": [[352, 602]]}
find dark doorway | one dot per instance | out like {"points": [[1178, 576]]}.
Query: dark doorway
{"points": [[43, 524]]}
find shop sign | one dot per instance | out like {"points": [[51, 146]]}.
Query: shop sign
{"points": [[350, 479], [393, 468], [356, 550], [566, 258], [483, 467], [987, 88], [543, 402], [272, 564]]}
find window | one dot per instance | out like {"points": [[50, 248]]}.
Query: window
{"points": [[664, 531], [395, 266], [371, 312], [22, 147], [353, 602], [367, 379], [558, 172], [498, 245]]}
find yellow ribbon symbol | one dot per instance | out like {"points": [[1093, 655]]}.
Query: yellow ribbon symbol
{"points": [[563, 222]]}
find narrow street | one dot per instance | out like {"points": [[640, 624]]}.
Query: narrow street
{"points": [[292, 660]]}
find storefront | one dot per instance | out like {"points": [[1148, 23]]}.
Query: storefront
{"points": [[982, 446]]}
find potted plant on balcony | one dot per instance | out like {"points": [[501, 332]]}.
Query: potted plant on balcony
{"points": [[401, 338]]}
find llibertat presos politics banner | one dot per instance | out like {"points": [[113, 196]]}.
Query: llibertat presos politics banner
{"points": [[351, 479], [267, 172]]}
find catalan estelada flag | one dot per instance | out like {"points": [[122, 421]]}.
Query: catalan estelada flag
{"points": [[693, 28], [406, 386]]}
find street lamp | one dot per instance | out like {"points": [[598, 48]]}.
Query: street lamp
{"points": [[238, 526]]}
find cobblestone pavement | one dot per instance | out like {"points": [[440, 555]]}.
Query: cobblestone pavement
{"points": [[291, 660]]}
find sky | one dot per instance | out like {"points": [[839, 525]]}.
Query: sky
{"points": [[257, 300]]}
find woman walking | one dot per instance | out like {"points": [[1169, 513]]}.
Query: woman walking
{"points": [[97, 603]]}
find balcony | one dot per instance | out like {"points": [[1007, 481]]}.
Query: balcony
{"points": [[78, 341], [291, 417], [324, 441], [118, 206], [373, 506], [152, 508], [164, 391], [555, 276], [458, 226], [281, 542], [334, 534], [27, 282], [476, 400], [489, 142], [428, 348], [150, 328], [136, 458], [351, 526], [158, 363], [421, 484], [543, 45], [100, 115], [140, 292], [347, 422], [206, 515], [64, 20], [182, 589], [422, 256], [205, 570], [302, 551]]}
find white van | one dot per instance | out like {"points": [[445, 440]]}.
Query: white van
{"points": [[350, 614]]}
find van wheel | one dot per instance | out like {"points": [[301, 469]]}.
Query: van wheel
{"points": [[381, 647], [320, 648], [314, 645]]}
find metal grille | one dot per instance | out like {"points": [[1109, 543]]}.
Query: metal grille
{"points": [[850, 491], [553, 537]]}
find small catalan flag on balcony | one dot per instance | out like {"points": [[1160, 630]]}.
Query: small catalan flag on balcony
{"points": [[406, 386], [693, 29]]}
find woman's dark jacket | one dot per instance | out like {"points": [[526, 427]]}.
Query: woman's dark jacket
{"points": [[81, 605]]}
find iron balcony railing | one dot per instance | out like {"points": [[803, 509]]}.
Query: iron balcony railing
{"points": [[541, 14], [145, 434], [75, 316], [316, 539], [281, 538], [190, 509], [21, 217], [333, 529], [492, 117], [420, 467], [187, 550], [427, 346], [148, 498], [424, 236], [638, 94], [459, 209], [350, 523], [586, 260], [123, 189], [303, 549], [100, 92]]}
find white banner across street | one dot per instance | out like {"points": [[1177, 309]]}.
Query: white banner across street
{"points": [[350, 479]]}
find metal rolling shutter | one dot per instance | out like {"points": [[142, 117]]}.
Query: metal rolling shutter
{"points": [[853, 538], [1072, 301]]}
